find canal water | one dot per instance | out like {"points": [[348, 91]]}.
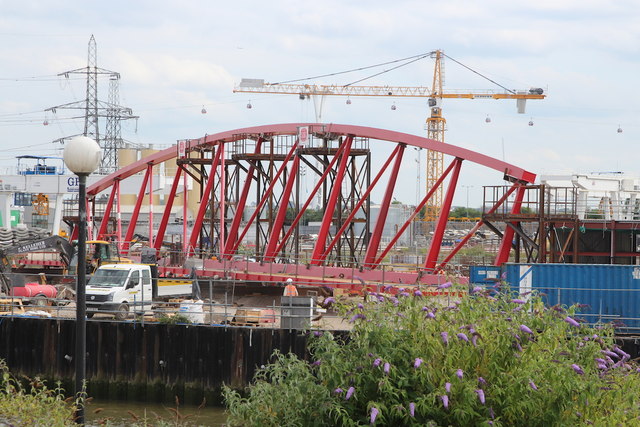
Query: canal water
{"points": [[125, 413]]}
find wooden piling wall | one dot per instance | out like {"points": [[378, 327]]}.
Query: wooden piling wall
{"points": [[154, 362]]}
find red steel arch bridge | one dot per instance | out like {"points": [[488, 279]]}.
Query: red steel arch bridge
{"points": [[248, 188]]}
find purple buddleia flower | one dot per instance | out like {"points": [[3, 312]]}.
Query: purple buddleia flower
{"points": [[578, 369], [431, 315], [338, 391], [525, 329], [360, 306], [401, 315], [474, 339], [600, 360], [447, 387], [386, 288], [518, 301], [328, 301], [445, 401], [350, 392], [508, 319], [461, 336], [480, 393], [374, 414], [317, 333], [491, 413], [380, 298], [395, 301], [621, 353], [317, 363], [377, 362], [425, 308], [445, 337], [386, 368], [445, 285], [482, 381], [417, 293], [356, 317], [602, 366], [533, 385], [571, 321], [412, 409], [404, 294], [417, 363], [610, 353], [459, 373], [476, 289]]}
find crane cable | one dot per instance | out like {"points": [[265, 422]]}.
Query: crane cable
{"points": [[409, 59], [422, 55], [481, 75], [386, 71]]}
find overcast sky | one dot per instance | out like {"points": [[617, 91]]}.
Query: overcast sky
{"points": [[176, 57]]}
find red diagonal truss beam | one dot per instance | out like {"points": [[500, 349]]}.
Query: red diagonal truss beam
{"points": [[107, 213], [507, 236], [438, 233], [376, 236], [162, 228], [476, 227], [318, 249], [204, 202], [278, 224], [312, 195], [242, 202], [416, 211], [363, 199], [136, 211], [266, 195]]}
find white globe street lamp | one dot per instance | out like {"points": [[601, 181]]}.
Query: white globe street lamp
{"points": [[82, 155]]}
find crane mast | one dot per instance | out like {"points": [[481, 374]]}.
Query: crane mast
{"points": [[435, 130], [436, 123]]}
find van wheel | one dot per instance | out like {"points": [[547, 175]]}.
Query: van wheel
{"points": [[123, 312], [89, 314]]}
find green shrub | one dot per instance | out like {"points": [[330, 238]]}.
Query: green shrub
{"points": [[483, 359], [36, 406], [174, 319]]}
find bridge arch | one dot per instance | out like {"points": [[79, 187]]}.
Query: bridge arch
{"points": [[250, 205]]}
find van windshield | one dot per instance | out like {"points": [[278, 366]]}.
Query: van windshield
{"points": [[109, 278]]}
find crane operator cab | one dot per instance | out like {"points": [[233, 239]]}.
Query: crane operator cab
{"points": [[98, 252]]}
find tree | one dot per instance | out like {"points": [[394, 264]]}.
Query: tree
{"points": [[484, 359], [463, 212]]}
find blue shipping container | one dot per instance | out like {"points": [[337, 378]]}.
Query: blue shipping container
{"points": [[611, 292], [484, 274]]}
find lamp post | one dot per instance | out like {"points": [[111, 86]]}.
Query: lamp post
{"points": [[82, 156], [467, 206]]}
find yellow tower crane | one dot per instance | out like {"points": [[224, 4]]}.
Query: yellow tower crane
{"points": [[435, 122]]}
